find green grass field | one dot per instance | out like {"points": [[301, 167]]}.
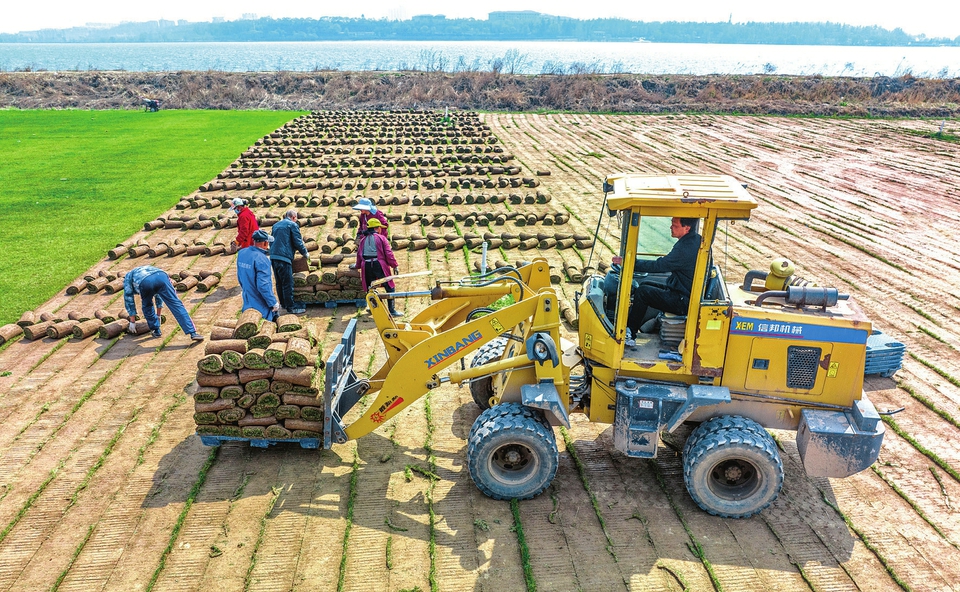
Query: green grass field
{"points": [[75, 183]]}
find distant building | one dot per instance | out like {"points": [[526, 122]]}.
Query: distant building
{"points": [[517, 16], [424, 18], [99, 25], [248, 16], [218, 19], [166, 23]]}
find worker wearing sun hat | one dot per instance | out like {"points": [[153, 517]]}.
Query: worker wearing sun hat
{"points": [[374, 259], [246, 223], [368, 212]]}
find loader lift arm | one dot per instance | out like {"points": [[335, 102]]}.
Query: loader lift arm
{"points": [[434, 340]]}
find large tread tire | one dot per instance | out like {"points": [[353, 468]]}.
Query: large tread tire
{"points": [[505, 410], [482, 388], [512, 456], [719, 424], [734, 473]]}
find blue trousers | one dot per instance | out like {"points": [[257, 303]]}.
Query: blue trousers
{"points": [[158, 284]]}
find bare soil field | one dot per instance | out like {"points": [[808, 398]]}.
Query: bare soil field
{"points": [[104, 484]]}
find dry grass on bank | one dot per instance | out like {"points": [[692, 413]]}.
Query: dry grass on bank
{"points": [[614, 93]]}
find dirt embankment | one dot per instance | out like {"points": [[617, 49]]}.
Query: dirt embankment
{"points": [[905, 96]]}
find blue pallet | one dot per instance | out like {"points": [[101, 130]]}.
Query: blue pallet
{"points": [[359, 303], [884, 355], [311, 443]]}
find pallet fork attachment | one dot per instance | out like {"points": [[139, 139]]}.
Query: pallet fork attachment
{"points": [[342, 387]]}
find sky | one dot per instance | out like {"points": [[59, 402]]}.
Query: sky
{"points": [[933, 18]]}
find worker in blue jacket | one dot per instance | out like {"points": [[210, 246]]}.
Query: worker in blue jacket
{"points": [[287, 240], [154, 286], [253, 272]]}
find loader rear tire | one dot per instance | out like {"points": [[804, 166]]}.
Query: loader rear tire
{"points": [[719, 424], [512, 456], [733, 473], [482, 388]]}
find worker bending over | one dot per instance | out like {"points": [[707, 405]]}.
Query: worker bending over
{"points": [[154, 284]]}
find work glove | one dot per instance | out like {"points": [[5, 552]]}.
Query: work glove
{"points": [[132, 327], [276, 307], [396, 271], [353, 266]]}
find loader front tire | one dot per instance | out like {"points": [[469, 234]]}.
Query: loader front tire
{"points": [[718, 424], [482, 388], [733, 473], [512, 456]]}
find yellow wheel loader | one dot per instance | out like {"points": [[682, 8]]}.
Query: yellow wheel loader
{"points": [[744, 357]]}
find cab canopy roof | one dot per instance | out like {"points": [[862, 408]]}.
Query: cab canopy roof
{"points": [[685, 196]]}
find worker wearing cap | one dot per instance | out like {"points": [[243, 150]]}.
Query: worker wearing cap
{"points": [[246, 223], [154, 286], [254, 274], [374, 258], [368, 212], [287, 240]]}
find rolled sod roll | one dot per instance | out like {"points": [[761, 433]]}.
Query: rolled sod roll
{"points": [[208, 283], [111, 330], [231, 415], [246, 401], [254, 360], [263, 410], [246, 374], [210, 364], [8, 332], [209, 430], [233, 431], [76, 287], [105, 316], [311, 413], [233, 391], [215, 405], [288, 323], [49, 316], [186, 283], [248, 324], [297, 434], [301, 400], [288, 335], [263, 338], [302, 375], [205, 418], [206, 394], [274, 354], [232, 323], [218, 333], [254, 433], [37, 331], [296, 353], [304, 390], [217, 380], [288, 412], [114, 286], [27, 318], [278, 432], [87, 328], [249, 420], [232, 360], [256, 387], [222, 345], [268, 399], [280, 386], [302, 424]]}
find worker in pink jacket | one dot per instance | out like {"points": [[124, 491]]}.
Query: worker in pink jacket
{"points": [[368, 212], [374, 259]]}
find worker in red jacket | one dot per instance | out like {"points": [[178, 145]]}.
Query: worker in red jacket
{"points": [[246, 223]]}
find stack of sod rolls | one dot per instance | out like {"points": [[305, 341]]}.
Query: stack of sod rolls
{"points": [[327, 285], [256, 380]]}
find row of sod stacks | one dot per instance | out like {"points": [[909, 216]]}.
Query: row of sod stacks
{"points": [[257, 380]]}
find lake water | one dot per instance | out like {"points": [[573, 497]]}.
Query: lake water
{"points": [[522, 57]]}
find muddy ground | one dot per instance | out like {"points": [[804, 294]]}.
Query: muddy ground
{"points": [[104, 486]]}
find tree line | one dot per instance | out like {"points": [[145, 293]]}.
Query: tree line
{"points": [[509, 26]]}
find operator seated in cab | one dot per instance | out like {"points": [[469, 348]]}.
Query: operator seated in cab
{"points": [[672, 295]]}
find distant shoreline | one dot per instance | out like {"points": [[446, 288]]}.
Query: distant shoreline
{"points": [[903, 96]]}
